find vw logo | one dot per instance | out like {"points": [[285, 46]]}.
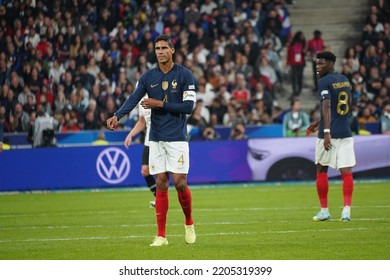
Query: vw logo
{"points": [[113, 165]]}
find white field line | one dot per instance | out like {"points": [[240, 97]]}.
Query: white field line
{"points": [[198, 210], [153, 225], [180, 235]]}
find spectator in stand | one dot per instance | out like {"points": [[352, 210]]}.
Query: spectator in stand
{"points": [[238, 132], [374, 83], [274, 60], [243, 66], [56, 72], [100, 140], [13, 57], [199, 117], [191, 14], [284, 16], [20, 119], [210, 134], [92, 68], [9, 101], [373, 21], [32, 37], [207, 7], [273, 22], [366, 117], [70, 125], [217, 111], [315, 45], [369, 36], [16, 83], [258, 115], [224, 22], [385, 118], [57, 38], [45, 90], [30, 105], [268, 71], [296, 60], [370, 57], [270, 37], [259, 91], [23, 96], [241, 93], [4, 70], [35, 81], [295, 121], [351, 58]]}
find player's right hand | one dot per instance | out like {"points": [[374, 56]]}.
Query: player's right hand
{"points": [[128, 140], [111, 122]]}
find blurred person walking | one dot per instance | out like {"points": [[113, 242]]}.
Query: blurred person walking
{"points": [[143, 123], [296, 60], [314, 46]]}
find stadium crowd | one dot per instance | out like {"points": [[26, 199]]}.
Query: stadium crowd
{"points": [[77, 61], [367, 65]]}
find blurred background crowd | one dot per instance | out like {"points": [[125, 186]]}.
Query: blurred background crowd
{"points": [[75, 62]]}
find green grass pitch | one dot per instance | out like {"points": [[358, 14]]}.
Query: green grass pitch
{"points": [[242, 222]]}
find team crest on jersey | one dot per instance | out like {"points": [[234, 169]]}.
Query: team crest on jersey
{"points": [[164, 85], [174, 86]]}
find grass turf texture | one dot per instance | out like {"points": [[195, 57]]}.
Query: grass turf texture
{"points": [[243, 222]]}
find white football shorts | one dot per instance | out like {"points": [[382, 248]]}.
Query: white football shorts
{"points": [[341, 155], [171, 157]]}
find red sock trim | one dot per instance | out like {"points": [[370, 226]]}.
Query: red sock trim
{"points": [[347, 188], [322, 184], [161, 211], [185, 200]]}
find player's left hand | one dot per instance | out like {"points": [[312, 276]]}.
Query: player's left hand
{"points": [[150, 103], [327, 142]]}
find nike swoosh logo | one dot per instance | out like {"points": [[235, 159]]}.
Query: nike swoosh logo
{"points": [[152, 86]]}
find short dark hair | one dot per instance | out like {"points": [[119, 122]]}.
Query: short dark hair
{"points": [[166, 38], [327, 56]]}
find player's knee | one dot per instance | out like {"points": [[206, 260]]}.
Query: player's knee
{"points": [[162, 182], [180, 184]]}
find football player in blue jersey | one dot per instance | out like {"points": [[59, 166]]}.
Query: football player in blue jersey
{"points": [[335, 146], [171, 91]]}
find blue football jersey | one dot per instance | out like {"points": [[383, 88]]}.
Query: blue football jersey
{"points": [[336, 87], [175, 87]]}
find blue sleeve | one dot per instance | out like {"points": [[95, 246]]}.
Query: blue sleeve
{"points": [[323, 89], [132, 101], [183, 108]]}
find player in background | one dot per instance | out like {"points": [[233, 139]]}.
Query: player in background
{"points": [[335, 146], [314, 46], [142, 123], [171, 91]]}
